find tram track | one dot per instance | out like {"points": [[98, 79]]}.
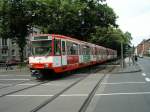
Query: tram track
{"points": [[55, 96], [51, 99], [87, 101], [34, 85], [60, 92], [12, 92], [11, 85]]}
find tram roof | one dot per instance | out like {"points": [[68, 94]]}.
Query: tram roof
{"points": [[71, 38]]}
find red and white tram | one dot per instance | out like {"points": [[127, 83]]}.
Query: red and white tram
{"points": [[53, 53]]}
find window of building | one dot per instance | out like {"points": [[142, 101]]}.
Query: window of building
{"points": [[4, 51], [13, 52], [4, 41], [4, 57], [13, 42]]}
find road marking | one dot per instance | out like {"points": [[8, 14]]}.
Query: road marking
{"points": [[26, 84], [74, 95], [53, 84], [31, 84], [109, 94], [84, 95], [126, 83], [143, 74], [13, 79], [147, 79], [6, 84], [23, 75], [18, 84], [29, 95], [64, 95], [15, 75], [41, 84], [4, 75], [135, 93]]}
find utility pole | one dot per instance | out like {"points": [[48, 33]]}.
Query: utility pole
{"points": [[122, 55]]}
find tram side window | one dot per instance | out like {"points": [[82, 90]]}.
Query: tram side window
{"points": [[93, 51], [63, 48], [88, 50], [96, 51], [80, 50], [57, 47], [68, 44], [84, 50], [72, 48]]}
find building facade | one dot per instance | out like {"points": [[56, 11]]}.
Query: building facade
{"points": [[9, 49], [144, 48]]}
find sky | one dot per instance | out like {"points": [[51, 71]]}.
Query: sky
{"points": [[134, 17]]}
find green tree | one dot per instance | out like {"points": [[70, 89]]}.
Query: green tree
{"points": [[76, 18], [128, 37], [111, 38], [88, 20], [14, 22]]}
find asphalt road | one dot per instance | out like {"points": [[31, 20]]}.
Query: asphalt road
{"points": [[28, 99], [21, 93], [126, 92], [118, 92]]}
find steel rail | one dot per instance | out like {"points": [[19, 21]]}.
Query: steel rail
{"points": [[16, 84], [55, 96], [87, 101], [49, 100], [23, 89]]}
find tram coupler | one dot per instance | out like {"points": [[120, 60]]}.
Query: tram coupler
{"points": [[36, 73]]}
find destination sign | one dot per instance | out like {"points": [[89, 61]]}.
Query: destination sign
{"points": [[41, 38]]}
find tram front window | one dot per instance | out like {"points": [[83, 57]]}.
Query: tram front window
{"points": [[40, 48]]}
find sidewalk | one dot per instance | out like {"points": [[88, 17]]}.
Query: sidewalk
{"points": [[129, 66], [14, 69]]}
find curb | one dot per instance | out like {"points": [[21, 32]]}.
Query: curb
{"points": [[128, 71], [132, 71], [14, 70]]}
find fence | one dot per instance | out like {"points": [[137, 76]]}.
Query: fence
{"points": [[15, 67]]}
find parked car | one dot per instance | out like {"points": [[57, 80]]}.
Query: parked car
{"points": [[12, 62], [140, 56], [26, 61]]}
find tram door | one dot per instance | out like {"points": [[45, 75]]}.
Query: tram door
{"points": [[64, 54], [57, 53]]}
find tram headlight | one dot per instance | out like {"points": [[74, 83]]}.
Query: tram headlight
{"points": [[30, 65], [46, 65]]}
